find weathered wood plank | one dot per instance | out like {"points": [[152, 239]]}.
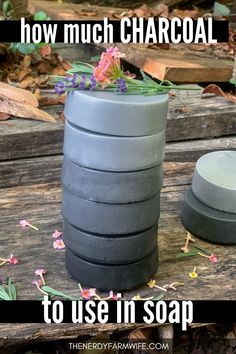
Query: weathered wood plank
{"points": [[41, 205], [25, 138], [23, 334], [192, 150], [24, 172], [190, 117], [47, 169], [71, 11], [176, 66]]}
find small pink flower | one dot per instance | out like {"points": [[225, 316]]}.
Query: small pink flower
{"points": [[13, 260], [58, 244], [40, 272], [108, 69], [25, 223], [213, 258], [39, 284], [113, 296], [88, 293], [56, 234]]}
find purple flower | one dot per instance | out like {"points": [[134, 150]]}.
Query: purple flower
{"points": [[82, 84], [60, 87], [74, 81], [121, 85], [93, 83]]}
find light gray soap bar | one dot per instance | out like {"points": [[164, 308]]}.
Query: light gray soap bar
{"points": [[113, 153], [214, 180], [116, 114]]}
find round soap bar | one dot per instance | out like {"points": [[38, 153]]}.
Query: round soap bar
{"points": [[111, 187], [208, 223], [111, 153], [110, 219], [120, 249], [115, 114], [115, 277], [214, 180]]}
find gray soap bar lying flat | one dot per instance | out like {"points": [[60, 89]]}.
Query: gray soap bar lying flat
{"points": [[214, 180], [110, 153], [208, 223], [120, 249], [110, 219], [111, 187], [115, 277], [115, 114]]}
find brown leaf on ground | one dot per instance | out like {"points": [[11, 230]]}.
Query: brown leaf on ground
{"points": [[140, 334], [144, 11], [17, 94], [51, 101], [185, 13], [23, 110], [216, 90], [44, 67], [32, 82], [4, 116], [84, 13]]}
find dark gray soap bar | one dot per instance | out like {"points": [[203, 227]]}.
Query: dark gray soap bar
{"points": [[110, 219], [111, 277], [111, 187], [114, 114], [112, 153], [119, 249], [208, 223], [214, 180]]}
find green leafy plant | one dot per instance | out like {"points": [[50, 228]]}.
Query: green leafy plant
{"points": [[53, 292], [28, 48], [8, 292]]}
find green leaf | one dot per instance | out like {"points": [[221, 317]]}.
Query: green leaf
{"points": [[23, 48], [188, 254], [199, 248], [40, 16], [4, 294], [5, 7], [232, 81], [220, 9], [11, 289], [54, 292], [159, 297]]}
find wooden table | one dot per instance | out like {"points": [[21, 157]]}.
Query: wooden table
{"points": [[30, 164]]}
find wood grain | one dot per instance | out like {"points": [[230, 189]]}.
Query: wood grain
{"points": [[40, 204], [176, 66], [47, 169], [190, 117]]}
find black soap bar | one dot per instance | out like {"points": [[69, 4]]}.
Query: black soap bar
{"points": [[210, 224], [111, 277], [119, 249]]}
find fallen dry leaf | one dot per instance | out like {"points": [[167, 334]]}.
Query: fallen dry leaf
{"points": [[185, 13], [24, 110], [4, 116], [216, 90], [17, 94], [51, 101], [140, 334]]}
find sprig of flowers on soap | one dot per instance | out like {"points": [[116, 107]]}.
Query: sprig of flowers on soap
{"points": [[108, 75]]}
